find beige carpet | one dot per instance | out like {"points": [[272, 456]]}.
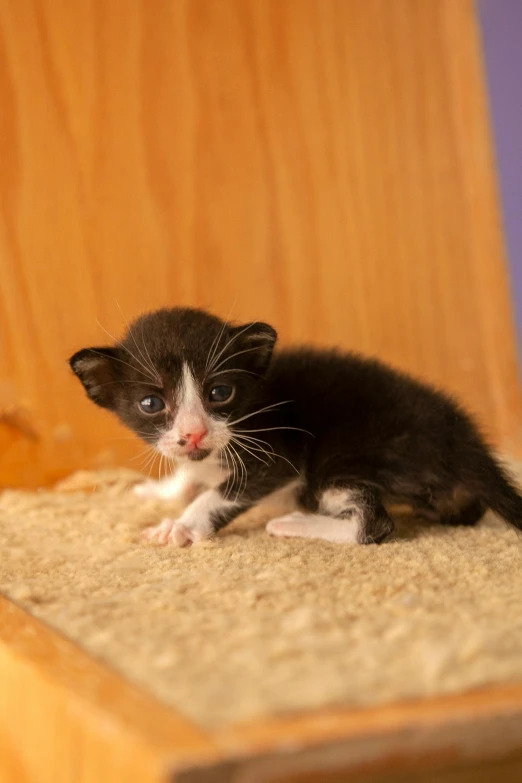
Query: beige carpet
{"points": [[248, 625]]}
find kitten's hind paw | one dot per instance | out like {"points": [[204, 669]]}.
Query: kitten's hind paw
{"points": [[293, 524], [299, 525]]}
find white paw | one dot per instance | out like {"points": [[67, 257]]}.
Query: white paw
{"points": [[159, 534], [299, 525], [287, 525], [172, 531]]}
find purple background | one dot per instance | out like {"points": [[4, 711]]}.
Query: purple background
{"points": [[501, 22]]}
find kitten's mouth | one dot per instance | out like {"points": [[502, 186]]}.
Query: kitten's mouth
{"points": [[197, 454]]}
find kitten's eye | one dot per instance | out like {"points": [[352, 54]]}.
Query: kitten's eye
{"points": [[152, 404], [221, 393]]}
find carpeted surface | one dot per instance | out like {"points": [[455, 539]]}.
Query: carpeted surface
{"points": [[247, 624]]}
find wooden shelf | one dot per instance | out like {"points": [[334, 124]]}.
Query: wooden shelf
{"points": [[65, 717], [324, 166]]}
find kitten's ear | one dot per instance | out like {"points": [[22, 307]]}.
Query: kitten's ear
{"points": [[97, 369], [257, 340]]}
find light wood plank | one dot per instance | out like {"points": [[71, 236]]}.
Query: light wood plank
{"points": [[324, 165]]}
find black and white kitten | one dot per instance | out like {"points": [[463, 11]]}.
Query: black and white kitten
{"points": [[344, 433]]}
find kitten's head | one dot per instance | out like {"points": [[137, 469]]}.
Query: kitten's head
{"points": [[179, 378]]}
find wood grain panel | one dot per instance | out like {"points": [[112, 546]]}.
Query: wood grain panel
{"points": [[321, 164]]}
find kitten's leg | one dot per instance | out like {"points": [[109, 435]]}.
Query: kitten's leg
{"points": [[200, 520], [426, 511], [469, 514], [211, 511], [189, 479], [454, 507], [180, 486], [301, 525], [351, 515]]}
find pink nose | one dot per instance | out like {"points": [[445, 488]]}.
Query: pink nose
{"points": [[194, 438]]}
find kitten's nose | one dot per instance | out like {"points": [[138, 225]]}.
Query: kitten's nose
{"points": [[193, 438]]}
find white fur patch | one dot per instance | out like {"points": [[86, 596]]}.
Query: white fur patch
{"points": [[299, 525], [185, 481], [191, 417], [175, 487], [188, 393], [337, 501], [195, 524]]}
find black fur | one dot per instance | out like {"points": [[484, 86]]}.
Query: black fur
{"points": [[340, 420]]}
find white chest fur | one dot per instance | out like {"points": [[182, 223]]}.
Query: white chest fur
{"points": [[186, 480]]}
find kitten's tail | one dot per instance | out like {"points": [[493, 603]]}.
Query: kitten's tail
{"points": [[498, 492]]}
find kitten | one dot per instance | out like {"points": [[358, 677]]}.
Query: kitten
{"points": [[343, 433]]}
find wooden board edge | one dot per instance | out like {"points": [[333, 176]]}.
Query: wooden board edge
{"points": [[480, 725], [100, 701], [445, 732], [338, 723]]}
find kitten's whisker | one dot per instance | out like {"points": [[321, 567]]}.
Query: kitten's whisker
{"points": [[116, 359], [234, 468], [147, 359], [141, 453], [228, 344], [254, 413], [163, 467], [288, 461], [244, 475], [270, 429], [228, 472], [129, 331], [147, 462], [273, 454], [240, 475], [215, 341], [234, 370], [147, 372], [153, 366], [241, 467], [214, 346], [150, 462], [152, 466], [240, 433], [232, 355], [253, 445], [247, 448]]}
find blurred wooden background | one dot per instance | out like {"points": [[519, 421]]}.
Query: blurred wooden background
{"points": [[325, 165]]}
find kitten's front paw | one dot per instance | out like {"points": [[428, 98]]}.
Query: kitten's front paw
{"points": [[159, 534], [181, 535], [172, 531]]}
